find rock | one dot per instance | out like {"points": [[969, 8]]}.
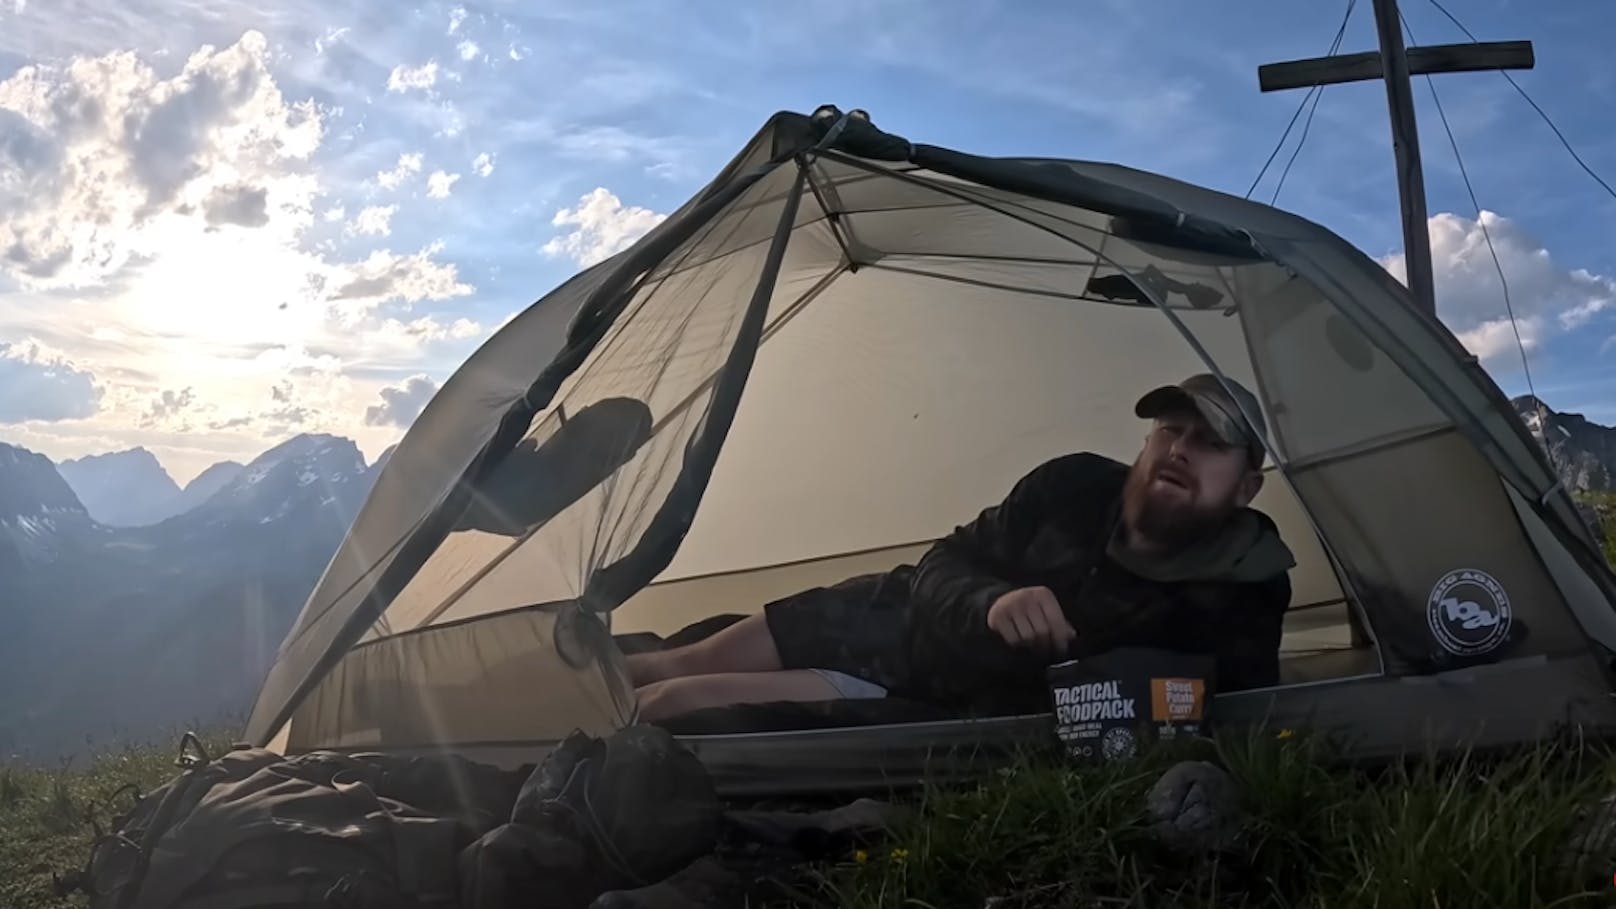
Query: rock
{"points": [[1593, 842], [1195, 808]]}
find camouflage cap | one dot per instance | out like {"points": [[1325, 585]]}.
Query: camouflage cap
{"points": [[1224, 412]]}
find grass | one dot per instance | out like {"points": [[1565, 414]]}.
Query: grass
{"points": [[1470, 831], [48, 816], [1459, 833]]}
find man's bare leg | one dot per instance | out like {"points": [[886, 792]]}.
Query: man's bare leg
{"points": [[673, 696], [744, 647]]}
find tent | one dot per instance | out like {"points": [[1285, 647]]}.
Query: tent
{"points": [[847, 344]]}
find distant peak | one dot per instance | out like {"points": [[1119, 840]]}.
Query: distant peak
{"points": [[137, 455], [308, 443], [139, 451]]}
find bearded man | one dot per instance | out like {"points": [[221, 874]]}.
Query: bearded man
{"points": [[1086, 554]]}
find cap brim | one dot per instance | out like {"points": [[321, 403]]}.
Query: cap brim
{"points": [[1171, 398], [1163, 400]]}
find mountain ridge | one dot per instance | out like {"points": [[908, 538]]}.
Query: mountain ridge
{"points": [[1582, 452], [203, 486], [124, 488], [187, 612], [36, 507]]}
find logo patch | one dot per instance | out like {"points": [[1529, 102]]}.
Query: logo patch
{"points": [[1468, 612], [1118, 742]]}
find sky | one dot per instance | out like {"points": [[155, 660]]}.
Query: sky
{"points": [[228, 222]]}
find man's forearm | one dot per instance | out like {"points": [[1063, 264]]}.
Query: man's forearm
{"points": [[955, 589]]}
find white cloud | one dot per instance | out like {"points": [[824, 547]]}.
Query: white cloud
{"points": [[456, 17], [98, 152], [603, 227], [295, 359], [37, 383], [246, 206], [403, 78], [178, 210], [483, 165], [610, 143], [452, 122], [1544, 294], [1492, 340], [1601, 295], [515, 54], [408, 163], [375, 221], [168, 405], [332, 36], [665, 170], [401, 404], [468, 49], [439, 184], [411, 334], [386, 276]]}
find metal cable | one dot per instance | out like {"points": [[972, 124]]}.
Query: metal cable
{"points": [[1312, 92]]}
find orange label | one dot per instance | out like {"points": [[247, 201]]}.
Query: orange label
{"points": [[1176, 700]]}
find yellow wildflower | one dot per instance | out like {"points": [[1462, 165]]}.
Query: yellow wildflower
{"points": [[860, 856]]}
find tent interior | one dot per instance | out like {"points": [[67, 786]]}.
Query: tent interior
{"points": [[924, 342]]}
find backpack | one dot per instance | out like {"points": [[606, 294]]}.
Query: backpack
{"points": [[598, 815], [254, 830]]}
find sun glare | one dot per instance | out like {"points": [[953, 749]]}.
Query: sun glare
{"points": [[226, 286]]}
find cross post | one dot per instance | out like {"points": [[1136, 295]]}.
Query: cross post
{"points": [[1394, 64]]}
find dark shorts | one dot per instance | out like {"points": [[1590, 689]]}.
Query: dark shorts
{"points": [[855, 627]]}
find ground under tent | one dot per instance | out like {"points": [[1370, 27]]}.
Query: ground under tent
{"points": [[846, 345]]}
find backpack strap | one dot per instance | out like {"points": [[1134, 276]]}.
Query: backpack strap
{"points": [[127, 887]]}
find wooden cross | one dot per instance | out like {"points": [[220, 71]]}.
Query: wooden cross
{"points": [[1394, 64]]}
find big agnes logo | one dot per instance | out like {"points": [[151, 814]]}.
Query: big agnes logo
{"points": [[1468, 612]]}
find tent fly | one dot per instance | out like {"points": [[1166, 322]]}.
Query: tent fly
{"points": [[848, 343]]}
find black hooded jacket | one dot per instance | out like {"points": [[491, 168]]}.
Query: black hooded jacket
{"points": [[1055, 530]]}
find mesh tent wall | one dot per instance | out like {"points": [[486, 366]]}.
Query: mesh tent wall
{"points": [[847, 344]]}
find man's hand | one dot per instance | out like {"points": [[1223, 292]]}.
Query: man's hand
{"points": [[1031, 617]]}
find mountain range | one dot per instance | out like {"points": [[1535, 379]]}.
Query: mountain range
{"points": [[123, 630], [132, 605], [130, 489], [1583, 452]]}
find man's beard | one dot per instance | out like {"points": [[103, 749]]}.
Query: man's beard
{"points": [[1173, 525]]}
